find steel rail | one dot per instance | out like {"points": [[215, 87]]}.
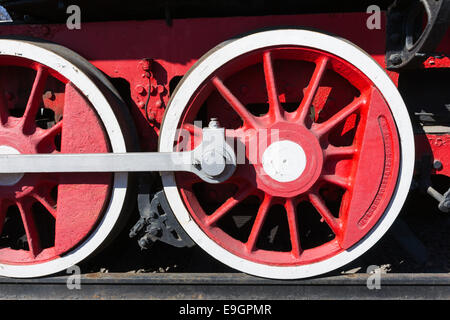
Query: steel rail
{"points": [[226, 286]]}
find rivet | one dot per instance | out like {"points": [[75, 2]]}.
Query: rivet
{"points": [[146, 64], [395, 59], [437, 165], [140, 90]]}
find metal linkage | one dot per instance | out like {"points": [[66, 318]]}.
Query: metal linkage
{"points": [[444, 204], [444, 199], [407, 42], [213, 160], [157, 220], [425, 185]]}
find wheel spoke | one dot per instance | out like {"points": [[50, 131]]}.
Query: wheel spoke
{"points": [[336, 180], [257, 225], [293, 228], [319, 204], [189, 138], [246, 116], [30, 227], [192, 129], [240, 195], [47, 203], [333, 151], [310, 92], [323, 128], [35, 99], [272, 93], [51, 132]]}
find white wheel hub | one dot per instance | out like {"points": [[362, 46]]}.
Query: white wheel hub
{"points": [[284, 161]]}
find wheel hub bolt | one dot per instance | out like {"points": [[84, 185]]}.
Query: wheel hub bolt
{"points": [[212, 163], [214, 123]]}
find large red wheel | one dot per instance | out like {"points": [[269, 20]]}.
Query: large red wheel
{"points": [[327, 161], [53, 101]]}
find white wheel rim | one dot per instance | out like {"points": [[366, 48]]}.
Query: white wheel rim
{"points": [[117, 141], [305, 38]]}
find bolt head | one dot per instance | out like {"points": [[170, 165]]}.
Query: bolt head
{"points": [[437, 165], [214, 123], [396, 59], [212, 163], [146, 64], [140, 90]]}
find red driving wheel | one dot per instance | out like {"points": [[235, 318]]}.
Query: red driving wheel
{"points": [[318, 155], [48, 104]]}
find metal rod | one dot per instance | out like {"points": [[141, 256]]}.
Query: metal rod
{"points": [[97, 162], [435, 194]]}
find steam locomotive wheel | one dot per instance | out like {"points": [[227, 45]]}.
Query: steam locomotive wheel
{"points": [[333, 160], [53, 101]]}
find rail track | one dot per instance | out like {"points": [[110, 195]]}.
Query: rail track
{"points": [[219, 286]]}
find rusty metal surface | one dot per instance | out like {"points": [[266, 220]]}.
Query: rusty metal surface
{"points": [[231, 286]]}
